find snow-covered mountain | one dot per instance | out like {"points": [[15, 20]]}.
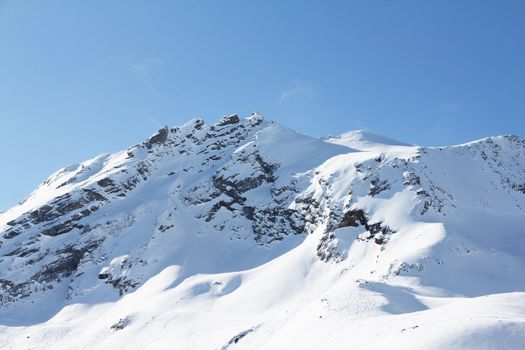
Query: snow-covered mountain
{"points": [[245, 234]]}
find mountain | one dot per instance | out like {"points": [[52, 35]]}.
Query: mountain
{"points": [[245, 234], [365, 141]]}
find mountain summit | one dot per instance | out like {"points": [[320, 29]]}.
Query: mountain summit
{"points": [[363, 140], [246, 234]]}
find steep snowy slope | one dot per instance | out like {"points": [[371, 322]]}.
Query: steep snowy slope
{"points": [[245, 234]]}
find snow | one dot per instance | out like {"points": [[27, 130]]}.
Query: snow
{"points": [[366, 141], [170, 271]]}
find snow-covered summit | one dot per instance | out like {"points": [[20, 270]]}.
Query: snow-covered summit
{"points": [[365, 140], [246, 234]]}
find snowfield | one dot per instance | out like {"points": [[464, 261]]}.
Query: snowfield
{"points": [[247, 235]]}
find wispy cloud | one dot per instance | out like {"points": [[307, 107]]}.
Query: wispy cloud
{"points": [[359, 124], [297, 89], [146, 69]]}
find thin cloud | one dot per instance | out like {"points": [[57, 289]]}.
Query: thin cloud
{"points": [[146, 69], [297, 89], [359, 124]]}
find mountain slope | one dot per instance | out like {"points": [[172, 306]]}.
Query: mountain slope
{"points": [[246, 234]]}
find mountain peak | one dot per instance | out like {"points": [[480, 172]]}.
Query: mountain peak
{"points": [[362, 139]]}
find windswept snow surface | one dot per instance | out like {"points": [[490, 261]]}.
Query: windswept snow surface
{"points": [[248, 235]]}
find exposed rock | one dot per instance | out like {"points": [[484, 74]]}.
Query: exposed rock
{"points": [[520, 188], [235, 339], [105, 182], [353, 218], [411, 179], [122, 284], [160, 137], [228, 120], [377, 186], [121, 323], [327, 248], [66, 263]]}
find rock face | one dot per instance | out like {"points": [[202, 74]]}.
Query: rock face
{"points": [[106, 226]]}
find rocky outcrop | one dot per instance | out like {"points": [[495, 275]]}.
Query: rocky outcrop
{"points": [[159, 138], [377, 232]]}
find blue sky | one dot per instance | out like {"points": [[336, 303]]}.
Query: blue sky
{"points": [[79, 78]]}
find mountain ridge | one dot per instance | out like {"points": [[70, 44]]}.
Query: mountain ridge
{"points": [[246, 216]]}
